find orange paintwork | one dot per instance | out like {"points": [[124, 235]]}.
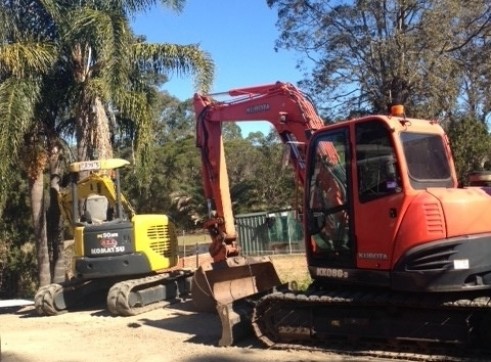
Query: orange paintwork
{"points": [[379, 244], [385, 228], [422, 221], [284, 107], [467, 211], [439, 213]]}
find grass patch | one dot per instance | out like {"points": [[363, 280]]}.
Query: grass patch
{"points": [[194, 239], [292, 268]]}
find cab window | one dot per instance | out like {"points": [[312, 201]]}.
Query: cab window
{"points": [[378, 174], [427, 160], [329, 198]]}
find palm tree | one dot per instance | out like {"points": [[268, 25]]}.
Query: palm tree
{"points": [[99, 76], [26, 55], [110, 72], [112, 76]]}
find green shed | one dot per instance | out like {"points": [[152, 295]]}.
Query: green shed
{"points": [[276, 232]]}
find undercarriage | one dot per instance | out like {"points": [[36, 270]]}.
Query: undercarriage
{"points": [[382, 324], [122, 297]]}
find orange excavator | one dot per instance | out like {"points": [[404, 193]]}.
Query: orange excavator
{"points": [[398, 253]]}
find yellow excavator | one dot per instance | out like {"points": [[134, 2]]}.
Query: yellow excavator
{"points": [[130, 259]]}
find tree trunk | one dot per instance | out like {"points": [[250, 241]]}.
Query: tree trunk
{"points": [[83, 134], [92, 123], [36, 186], [102, 132], [55, 222], [93, 132]]}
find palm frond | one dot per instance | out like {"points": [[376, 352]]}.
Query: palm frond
{"points": [[135, 119], [26, 58], [17, 100], [5, 23], [134, 6], [53, 8], [183, 59], [92, 28], [121, 61], [97, 88], [177, 5]]}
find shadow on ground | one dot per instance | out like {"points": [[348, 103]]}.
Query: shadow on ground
{"points": [[204, 328]]}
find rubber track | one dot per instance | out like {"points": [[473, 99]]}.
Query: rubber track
{"points": [[359, 299], [44, 300], [39, 298], [119, 294]]}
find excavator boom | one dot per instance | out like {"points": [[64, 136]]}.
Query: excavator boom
{"points": [[232, 278], [285, 107]]}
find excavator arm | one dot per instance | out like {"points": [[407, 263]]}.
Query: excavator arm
{"points": [[285, 107], [231, 281]]}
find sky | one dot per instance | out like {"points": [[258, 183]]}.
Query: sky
{"points": [[239, 35]]}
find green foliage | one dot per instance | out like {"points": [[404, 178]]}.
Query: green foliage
{"points": [[429, 55], [242, 159], [71, 68], [173, 185], [259, 181], [471, 144], [277, 184], [17, 257], [231, 131]]}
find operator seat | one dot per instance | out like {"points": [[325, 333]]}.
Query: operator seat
{"points": [[96, 207]]}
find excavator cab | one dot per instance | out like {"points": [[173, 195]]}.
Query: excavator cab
{"points": [[97, 196], [384, 210], [110, 239]]}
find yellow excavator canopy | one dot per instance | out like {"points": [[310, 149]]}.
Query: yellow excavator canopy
{"points": [[95, 165]]}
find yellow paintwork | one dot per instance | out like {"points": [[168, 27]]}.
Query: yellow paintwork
{"points": [[78, 246], [153, 235], [93, 184], [96, 165]]}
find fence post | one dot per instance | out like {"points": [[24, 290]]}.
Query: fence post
{"points": [[197, 255]]}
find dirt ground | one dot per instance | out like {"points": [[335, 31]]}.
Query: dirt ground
{"points": [[175, 333], [170, 334]]}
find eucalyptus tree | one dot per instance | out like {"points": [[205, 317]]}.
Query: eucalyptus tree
{"points": [[471, 144], [177, 166], [367, 54]]}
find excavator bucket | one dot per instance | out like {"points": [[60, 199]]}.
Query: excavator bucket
{"points": [[229, 287]]}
